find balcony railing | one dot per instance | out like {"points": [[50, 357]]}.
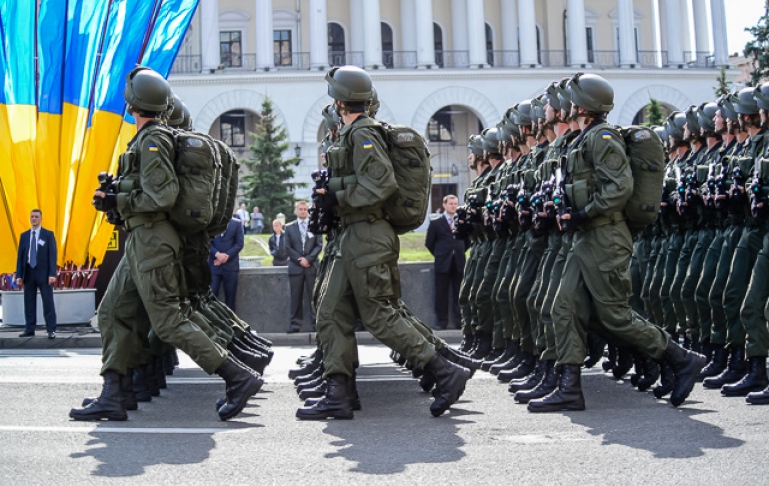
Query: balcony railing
{"points": [[399, 59], [452, 59], [337, 58], [190, 64]]}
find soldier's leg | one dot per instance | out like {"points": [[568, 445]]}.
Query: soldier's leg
{"points": [[702, 293], [655, 285], [480, 268], [536, 305], [672, 252], [689, 289], [648, 276], [500, 306], [716, 296], [483, 296], [682, 268], [523, 288], [464, 291], [556, 277], [756, 299], [745, 256], [636, 274]]}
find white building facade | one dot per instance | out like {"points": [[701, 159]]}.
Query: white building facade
{"points": [[445, 67]]}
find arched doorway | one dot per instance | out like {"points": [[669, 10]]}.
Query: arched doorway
{"points": [[447, 133], [642, 116]]}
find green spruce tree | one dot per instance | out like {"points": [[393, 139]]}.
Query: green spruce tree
{"points": [[267, 183], [654, 114], [723, 84], [758, 48]]}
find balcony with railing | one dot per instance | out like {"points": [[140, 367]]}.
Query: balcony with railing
{"points": [[404, 60]]}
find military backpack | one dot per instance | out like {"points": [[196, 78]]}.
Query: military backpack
{"points": [[228, 189], [647, 162]]}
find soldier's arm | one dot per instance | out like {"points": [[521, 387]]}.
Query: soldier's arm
{"points": [[373, 169], [613, 177], [159, 183]]}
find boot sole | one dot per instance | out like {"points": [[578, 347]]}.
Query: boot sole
{"points": [[575, 407], [742, 393], [256, 385], [98, 417], [445, 405], [339, 415], [697, 364]]}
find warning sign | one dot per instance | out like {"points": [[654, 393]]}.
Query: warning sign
{"points": [[114, 242]]}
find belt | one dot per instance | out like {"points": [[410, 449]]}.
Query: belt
{"points": [[144, 219], [603, 220], [353, 218]]}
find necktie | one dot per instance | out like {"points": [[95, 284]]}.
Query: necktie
{"points": [[33, 251], [303, 231], [451, 223]]}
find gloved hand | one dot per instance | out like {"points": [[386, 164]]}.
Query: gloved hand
{"points": [[579, 218], [104, 202]]}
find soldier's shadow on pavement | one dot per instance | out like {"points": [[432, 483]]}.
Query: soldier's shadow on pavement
{"points": [[643, 423], [395, 429], [171, 422]]}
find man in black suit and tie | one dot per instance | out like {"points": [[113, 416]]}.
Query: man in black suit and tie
{"points": [[36, 269], [225, 262], [303, 249], [449, 253]]}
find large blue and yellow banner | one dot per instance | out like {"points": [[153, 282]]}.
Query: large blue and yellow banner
{"points": [[62, 114]]}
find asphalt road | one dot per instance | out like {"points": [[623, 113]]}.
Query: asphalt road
{"points": [[624, 437]]}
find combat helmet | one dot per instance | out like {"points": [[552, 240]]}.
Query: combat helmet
{"points": [[147, 91], [674, 126], [726, 105], [349, 84], [176, 117], [744, 103], [591, 92], [331, 118], [692, 122], [475, 145], [490, 140], [761, 94], [374, 106], [522, 114], [706, 117]]}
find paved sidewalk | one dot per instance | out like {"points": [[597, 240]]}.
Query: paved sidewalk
{"points": [[88, 337]]}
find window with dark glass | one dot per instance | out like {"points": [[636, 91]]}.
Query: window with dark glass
{"points": [[439, 128], [281, 42], [438, 43], [387, 45], [230, 48], [232, 127], [489, 45], [590, 49], [336, 46]]}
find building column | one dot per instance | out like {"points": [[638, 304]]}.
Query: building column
{"points": [[425, 38], [720, 47], [459, 42], [409, 32], [318, 35], [509, 33], [673, 33], [686, 40], [356, 34], [265, 51], [476, 33], [701, 31], [628, 57], [209, 35], [372, 35], [527, 32], [575, 20]]}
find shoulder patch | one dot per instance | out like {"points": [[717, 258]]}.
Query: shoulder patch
{"points": [[606, 135], [368, 145], [613, 161], [152, 147], [376, 169]]}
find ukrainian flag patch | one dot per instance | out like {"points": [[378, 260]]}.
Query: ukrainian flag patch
{"points": [[606, 135], [368, 145], [153, 147]]}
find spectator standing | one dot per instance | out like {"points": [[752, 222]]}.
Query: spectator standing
{"points": [[277, 244], [302, 248], [243, 216], [225, 261], [36, 269], [257, 221], [449, 253]]}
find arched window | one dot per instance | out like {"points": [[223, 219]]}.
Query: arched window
{"points": [[387, 45], [336, 46], [438, 43], [489, 45]]}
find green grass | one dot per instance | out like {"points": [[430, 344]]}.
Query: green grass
{"points": [[412, 248]]}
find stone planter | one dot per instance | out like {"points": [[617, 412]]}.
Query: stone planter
{"points": [[72, 307]]}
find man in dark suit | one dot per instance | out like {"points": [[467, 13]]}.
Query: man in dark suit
{"points": [[449, 253], [225, 262], [277, 244], [303, 249], [36, 269]]}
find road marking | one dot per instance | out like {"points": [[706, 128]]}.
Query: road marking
{"points": [[119, 430]]}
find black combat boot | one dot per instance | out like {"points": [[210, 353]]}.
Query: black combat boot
{"points": [[530, 381], [595, 347], [717, 364], [568, 395], [650, 373], [311, 366], [611, 361], [417, 372], [545, 387], [140, 386], [624, 362], [109, 405], [758, 398], [707, 351], [160, 374], [458, 357], [450, 380], [251, 358], [307, 385], [468, 340], [510, 364], [696, 345], [152, 380], [249, 343], [491, 358], [168, 362], [735, 370], [260, 339], [637, 368], [484, 345], [686, 366], [127, 396], [754, 381], [524, 368], [511, 349], [313, 374], [337, 403], [353, 393], [427, 380], [242, 383], [316, 392], [667, 378]]}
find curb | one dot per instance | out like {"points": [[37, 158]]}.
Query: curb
{"points": [[87, 337]]}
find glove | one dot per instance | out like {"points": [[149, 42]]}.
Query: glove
{"points": [[109, 201], [579, 218], [329, 201]]}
